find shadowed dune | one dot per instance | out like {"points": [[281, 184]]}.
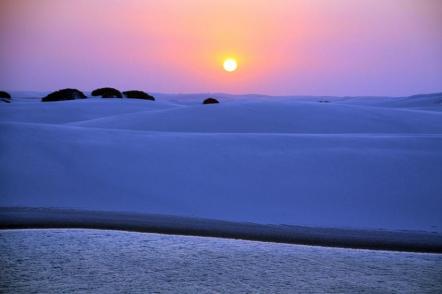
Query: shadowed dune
{"points": [[19, 218]]}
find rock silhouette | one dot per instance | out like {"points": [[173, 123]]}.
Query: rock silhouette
{"points": [[107, 93], [5, 97], [138, 95], [64, 94], [210, 101]]}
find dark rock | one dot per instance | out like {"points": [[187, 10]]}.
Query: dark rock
{"points": [[210, 101], [138, 95], [64, 94], [107, 93]]}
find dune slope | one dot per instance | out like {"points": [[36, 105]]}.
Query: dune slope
{"points": [[281, 162]]}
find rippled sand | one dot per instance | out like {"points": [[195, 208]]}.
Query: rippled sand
{"points": [[52, 261]]}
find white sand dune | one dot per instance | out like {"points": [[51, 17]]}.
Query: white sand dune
{"points": [[428, 101], [347, 163], [276, 117], [30, 110]]}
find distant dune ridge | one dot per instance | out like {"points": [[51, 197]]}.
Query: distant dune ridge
{"points": [[354, 162]]}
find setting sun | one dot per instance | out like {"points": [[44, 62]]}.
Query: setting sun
{"points": [[230, 65]]}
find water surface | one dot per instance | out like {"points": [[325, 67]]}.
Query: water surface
{"points": [[54, 261]]}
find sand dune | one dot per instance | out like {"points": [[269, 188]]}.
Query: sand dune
{"points": [[276, 117], [338, 164], [289, 162]]}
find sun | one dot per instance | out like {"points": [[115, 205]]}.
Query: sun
{"points": [[230, 64]]}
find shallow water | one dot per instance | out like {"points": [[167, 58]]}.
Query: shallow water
{"points": [[54, 261]]}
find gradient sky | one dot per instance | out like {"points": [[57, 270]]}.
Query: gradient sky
{"points": [[311, 47]]}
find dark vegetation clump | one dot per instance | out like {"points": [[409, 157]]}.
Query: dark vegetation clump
{"points": [[107, 93], [4, 94], [5, 97], [210, 101], [64, 94], [138, 95]]}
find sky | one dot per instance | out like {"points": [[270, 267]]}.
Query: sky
{"points": [[283, 47]]}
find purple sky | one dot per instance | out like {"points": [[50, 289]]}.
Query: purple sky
{"points": [[312, 47]]}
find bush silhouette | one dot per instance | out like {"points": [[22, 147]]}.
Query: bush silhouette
{"points": [[5, 97], [64, 94], [210, 101], [107, 93], [138, 95]]}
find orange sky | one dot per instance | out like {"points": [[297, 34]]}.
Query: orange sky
{"points": [[330, 47]]}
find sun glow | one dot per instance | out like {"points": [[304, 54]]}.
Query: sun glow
{"points": [[230, 65]]}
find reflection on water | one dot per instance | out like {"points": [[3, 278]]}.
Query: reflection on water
{"points": [[53, 261]]}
